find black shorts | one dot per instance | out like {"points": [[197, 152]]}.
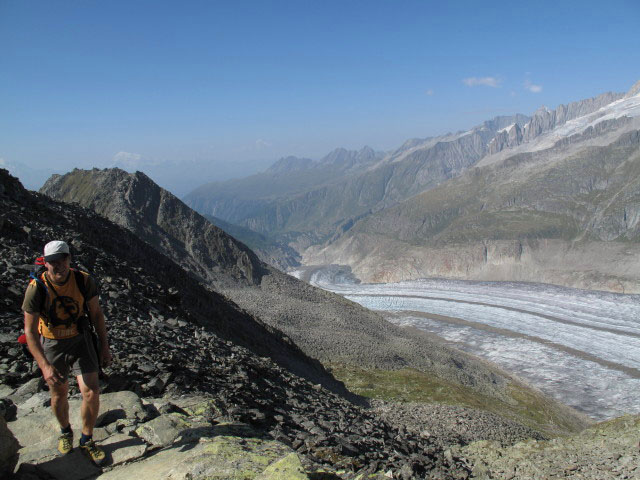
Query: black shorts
{"points": [[75, 354]]}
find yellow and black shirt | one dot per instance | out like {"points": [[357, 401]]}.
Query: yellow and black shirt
{"points": [[57, 310]]}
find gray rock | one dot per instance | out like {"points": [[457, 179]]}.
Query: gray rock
{"points": [[122, 448], [37, 401], [163, 430], [26, 391]]}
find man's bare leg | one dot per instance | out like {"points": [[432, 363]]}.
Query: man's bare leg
{"points": [[90, 389], [60, 403]]}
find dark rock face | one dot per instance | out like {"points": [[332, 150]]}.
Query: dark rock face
{"points": [[171, 336], [162, 220]]}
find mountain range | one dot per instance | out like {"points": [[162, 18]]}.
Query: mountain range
{"points": [[198, 317], [550, 197]]}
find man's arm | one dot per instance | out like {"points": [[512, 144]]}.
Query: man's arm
{"points": [[49, 372], [97, 317]]}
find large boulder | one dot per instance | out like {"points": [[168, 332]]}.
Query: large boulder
{"points": [[8, 450], [217, 457]]}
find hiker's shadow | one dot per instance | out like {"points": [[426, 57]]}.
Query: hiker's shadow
{"points": [[77, 465], [73, 466]]}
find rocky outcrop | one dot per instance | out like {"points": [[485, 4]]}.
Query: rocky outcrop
{"points": [[157, 438], [544, 119], [606, 450], [508, 137]]}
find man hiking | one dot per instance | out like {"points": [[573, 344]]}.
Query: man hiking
{"points": [[57, 330]]}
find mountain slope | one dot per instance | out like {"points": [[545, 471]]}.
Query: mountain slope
{"points": [[30, 220], [155, 215], [269, 251], [324, 325], [549, 216], [313, 212]]}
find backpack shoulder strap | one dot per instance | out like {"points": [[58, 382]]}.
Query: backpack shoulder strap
{"points": [[36, 276], [80, 282], [82, 286]]}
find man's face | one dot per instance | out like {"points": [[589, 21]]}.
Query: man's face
{"points": [[58, 270]]}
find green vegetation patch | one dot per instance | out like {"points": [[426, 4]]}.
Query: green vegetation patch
{"points": [[409, 385]]}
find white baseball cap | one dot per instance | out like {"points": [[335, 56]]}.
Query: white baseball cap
{"points": [[55, 250]]}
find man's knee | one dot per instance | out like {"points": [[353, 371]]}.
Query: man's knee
{"points": [[59, 392], [89, 386]]}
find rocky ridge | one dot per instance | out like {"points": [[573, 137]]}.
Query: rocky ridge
{"points": [[607, 450], [544, 120], [156, 215]]}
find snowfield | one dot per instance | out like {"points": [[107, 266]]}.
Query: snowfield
{"points": [[581, 347]]}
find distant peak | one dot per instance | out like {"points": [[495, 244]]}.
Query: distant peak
{"points": [[542, 110], [634, 90], [289, 163]]}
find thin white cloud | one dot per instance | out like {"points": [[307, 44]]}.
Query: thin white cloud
{"points": [[127, 160], [430, 92], [3, 163], [262, 144], [531, 87], [482, 81]]}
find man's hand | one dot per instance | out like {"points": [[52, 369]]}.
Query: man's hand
{"points": [[52, 375], [105, 356]]}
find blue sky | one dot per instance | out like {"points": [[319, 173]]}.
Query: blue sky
{"points": [[230, 87]]}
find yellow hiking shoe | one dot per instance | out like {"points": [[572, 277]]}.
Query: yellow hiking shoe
{"points": [[65, 443], [95, 453]]}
